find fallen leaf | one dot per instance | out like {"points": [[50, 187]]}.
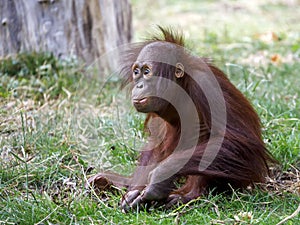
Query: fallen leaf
{"points": [[267, 37]]}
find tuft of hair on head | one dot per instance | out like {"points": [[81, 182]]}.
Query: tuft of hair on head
{"points": [[169, 35]]}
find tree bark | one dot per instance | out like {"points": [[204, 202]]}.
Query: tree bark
{"points": [[84, 28]]}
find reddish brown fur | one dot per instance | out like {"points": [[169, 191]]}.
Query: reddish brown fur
{"points": [[242, 159]]}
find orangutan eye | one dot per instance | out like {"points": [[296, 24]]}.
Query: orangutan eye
{"points": [[136, 72], [147, 72]]}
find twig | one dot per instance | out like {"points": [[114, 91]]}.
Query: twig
{"points": [[290, 216], [47, 217], [5, 222]]}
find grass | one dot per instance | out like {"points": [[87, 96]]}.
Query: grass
{"points": [[58, 120]]}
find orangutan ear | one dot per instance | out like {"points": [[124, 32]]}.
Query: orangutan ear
{"points": [[179, 71]]}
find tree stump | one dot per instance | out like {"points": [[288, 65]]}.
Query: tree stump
{"points": [[84, 28]]}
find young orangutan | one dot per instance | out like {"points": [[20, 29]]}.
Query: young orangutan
{"points": [[201, 127]]}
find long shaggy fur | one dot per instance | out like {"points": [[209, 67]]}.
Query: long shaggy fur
{"points": [[242, 159]]}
